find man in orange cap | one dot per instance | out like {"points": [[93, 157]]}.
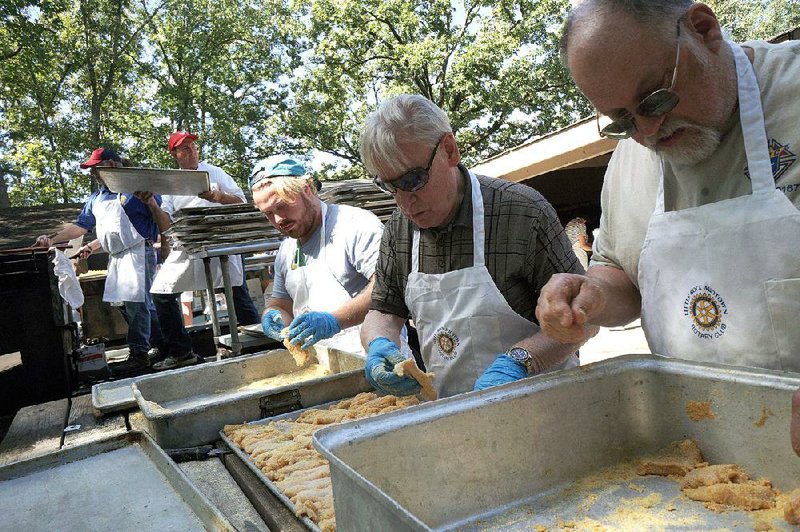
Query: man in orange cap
{"points": [[179, 273], [126, 230]]}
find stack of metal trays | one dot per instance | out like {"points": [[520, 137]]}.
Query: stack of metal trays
{"points": [[532, 453], [359, 193], [197, 228], [189, 406], [121, 483]]}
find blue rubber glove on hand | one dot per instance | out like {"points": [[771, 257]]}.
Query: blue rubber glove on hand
{"points": [[504, 369], [311, 327], [382, 355], [272, 323]]}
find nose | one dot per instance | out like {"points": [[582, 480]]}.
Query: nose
{"points": [[647, 126], [405, 199]]}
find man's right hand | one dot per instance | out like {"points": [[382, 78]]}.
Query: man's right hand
{"points": [[566, 306], [382, 356], [272, 323], [42, 241]]}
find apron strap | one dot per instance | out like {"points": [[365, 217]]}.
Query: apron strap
{"points": [[478, 234], [753, 128]]}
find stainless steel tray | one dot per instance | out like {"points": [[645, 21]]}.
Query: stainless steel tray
{"points": [[156, 180], [189, 406], [509, 457], [121, 483], [290, 416], [113, 396]]}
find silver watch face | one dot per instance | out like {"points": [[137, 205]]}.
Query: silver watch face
{"points": [[519, 354]]}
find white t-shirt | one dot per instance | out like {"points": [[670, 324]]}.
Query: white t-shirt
{"points": [[218, 178], [352, 244], [631, 181]]}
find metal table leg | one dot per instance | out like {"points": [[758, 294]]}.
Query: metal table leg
{"points": [[212, 301], [233, 324]]}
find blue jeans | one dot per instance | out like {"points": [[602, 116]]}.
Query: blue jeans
{"points": [[144, 331]]}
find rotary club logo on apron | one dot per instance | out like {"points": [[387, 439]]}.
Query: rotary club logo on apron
{"points": [[446, 343], [706, 308]]}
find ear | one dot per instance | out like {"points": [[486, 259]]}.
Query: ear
{"points": [[451, 150], [703, 24]]}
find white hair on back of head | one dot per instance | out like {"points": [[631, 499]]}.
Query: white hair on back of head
{"points": [[403, 119]]}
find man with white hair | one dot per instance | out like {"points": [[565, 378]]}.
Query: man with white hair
{"points": [[700, 230], [325, 270], [464, 256]]}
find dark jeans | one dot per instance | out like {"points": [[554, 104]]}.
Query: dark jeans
{"points": [[246, 311], [170, 316]]}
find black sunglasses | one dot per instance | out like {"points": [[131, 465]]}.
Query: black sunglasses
{"points": [[412, 180], [657, 103]]}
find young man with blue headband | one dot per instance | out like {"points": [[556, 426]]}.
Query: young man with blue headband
{"points": [[324, 271]]}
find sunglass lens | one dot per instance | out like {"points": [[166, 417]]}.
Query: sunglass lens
{"points": [[659, 103], [413, 180], [619, 129]]}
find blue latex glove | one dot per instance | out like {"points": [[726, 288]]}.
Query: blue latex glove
{"points": [[311, 327], [272, 323], [382, 355], [504, 369]]}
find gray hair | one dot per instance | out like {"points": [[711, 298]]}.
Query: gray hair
{"points": [[406, 118], [660, 15]]}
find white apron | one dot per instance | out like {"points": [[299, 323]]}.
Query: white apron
{"points": [[126, 254], [721, 282], [464, 322], [314, 287]]}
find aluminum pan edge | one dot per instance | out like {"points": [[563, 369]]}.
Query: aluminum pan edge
{"points": [[425, 412]]}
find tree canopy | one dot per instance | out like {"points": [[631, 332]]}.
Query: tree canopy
{"points": [[258, 77]]}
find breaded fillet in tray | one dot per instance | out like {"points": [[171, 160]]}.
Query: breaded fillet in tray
{"points": [[280, 452]]}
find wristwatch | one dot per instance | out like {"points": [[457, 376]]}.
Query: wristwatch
{"points": [[521, 355]]}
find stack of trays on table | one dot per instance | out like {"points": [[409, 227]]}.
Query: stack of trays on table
{"points": [[198, 228], [359, 193]]}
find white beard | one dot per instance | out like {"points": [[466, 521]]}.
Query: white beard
{"points": [[697, 144]]}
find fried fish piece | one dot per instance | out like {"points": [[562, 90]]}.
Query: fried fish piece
{"points": [[302, 357], [745, 496], [425, 380], [677, 459], [714, 474], [791, 512]]}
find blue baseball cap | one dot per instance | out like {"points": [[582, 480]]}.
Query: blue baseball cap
{"points": [[277, 165]]}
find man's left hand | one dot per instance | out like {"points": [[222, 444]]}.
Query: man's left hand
{"points": [[213, 195], [504, 369], [311, 327], [795, 427]]}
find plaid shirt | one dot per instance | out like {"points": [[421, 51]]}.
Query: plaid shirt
{"points": [[525, 245]]}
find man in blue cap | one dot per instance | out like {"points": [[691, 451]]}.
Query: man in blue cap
{"points": [[126, 230], [325, 270]]}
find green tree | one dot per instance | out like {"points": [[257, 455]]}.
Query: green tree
{"points": [[491, 65], [216, 65], [756, 19]]}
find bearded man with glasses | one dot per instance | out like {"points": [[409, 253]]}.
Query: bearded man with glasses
{"points": [[700, 233], [464, 256]]}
